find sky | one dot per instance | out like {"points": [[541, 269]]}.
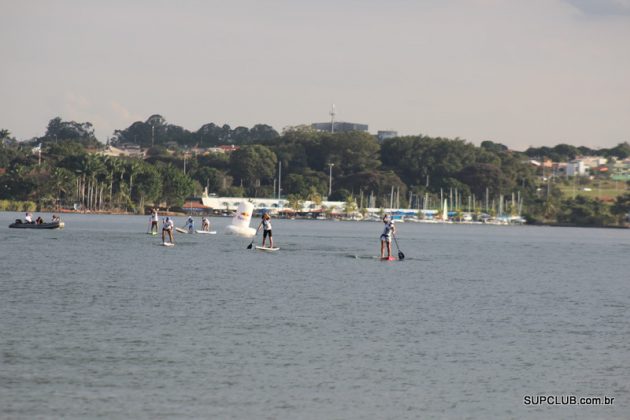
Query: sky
{"points": [[519, 72]]}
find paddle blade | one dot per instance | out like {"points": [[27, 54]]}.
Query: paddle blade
{"points": [[401, 256]]}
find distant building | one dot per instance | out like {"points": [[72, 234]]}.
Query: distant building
{"points": [[619, 170], [382, 135], [576, 168], [339, 127], [559, 169], [125, 150], [592, 161]]}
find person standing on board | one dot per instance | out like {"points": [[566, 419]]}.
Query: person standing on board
{"points": [[266, 224], [167, 227], [154, 220], [386, 236]]}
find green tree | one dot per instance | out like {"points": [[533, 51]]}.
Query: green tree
{"points": [[4, 134], [314, 196], [62, 182], [621, 151], [584, 211], [295, 202], [59, 130], [350, 206], [213, 179], [480, 176], [148, 185], [253, 165], [621, 207], [176, 186]]}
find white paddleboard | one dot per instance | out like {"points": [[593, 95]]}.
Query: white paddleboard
{"points": [[168, 244], [180, 230], [212, 232], [261, 248]]}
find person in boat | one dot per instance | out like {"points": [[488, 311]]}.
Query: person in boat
{"points": [[39, 220], [154, 220], [28, 218], [167, 228], [190, 224], [266, 225], [55, 218], [205, 224], [386, 236]]}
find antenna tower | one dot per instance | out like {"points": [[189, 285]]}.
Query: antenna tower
{"points": [[332, 119]]}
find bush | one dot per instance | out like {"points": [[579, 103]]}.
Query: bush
{"points": [[28, 206]]}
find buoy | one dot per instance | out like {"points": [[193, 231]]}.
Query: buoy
{"points": [[240, 221]]}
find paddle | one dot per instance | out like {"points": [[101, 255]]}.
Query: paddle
{"points": [[252, 242], [401, 256]]}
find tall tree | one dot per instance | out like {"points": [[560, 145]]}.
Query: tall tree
{"points": [[253, 165]]}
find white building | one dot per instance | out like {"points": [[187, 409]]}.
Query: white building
{"points": [[576, 168]]}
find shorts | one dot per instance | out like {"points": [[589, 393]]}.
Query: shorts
{"points": [[386, 238], [266, 233], [154, 223]]}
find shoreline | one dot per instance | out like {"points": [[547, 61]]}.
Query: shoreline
{"points": [[334, 219]]}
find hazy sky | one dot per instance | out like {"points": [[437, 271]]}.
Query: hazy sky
{"points": [[521, 72]]}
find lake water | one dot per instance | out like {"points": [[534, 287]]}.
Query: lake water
{"points": [[98, 320]]}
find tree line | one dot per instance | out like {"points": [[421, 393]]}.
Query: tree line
{"points": [[419, 171]]}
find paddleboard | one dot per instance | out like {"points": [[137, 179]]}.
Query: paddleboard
{"points": [[261, 248], [168, 244], [152, 233], [389, 259], [211, 232], [180, 230]]}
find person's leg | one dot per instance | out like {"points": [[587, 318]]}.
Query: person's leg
{"points": [[264, 238], [170, 236], [389, 248], [270, 240], [382, 248], [162, 235]]}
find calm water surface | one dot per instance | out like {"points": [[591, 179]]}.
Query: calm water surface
{"points": [[98, 320]]}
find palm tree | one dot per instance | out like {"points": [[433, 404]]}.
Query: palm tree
{"points": [[133, 169], [350, 206], [295, 202], [92, 168], [62, 180], [4, 134], [114, 166]]}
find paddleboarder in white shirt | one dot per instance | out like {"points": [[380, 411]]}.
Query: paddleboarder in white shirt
{"points": [[266, 224], [154, 220], [386, 236], [168, 227]]}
